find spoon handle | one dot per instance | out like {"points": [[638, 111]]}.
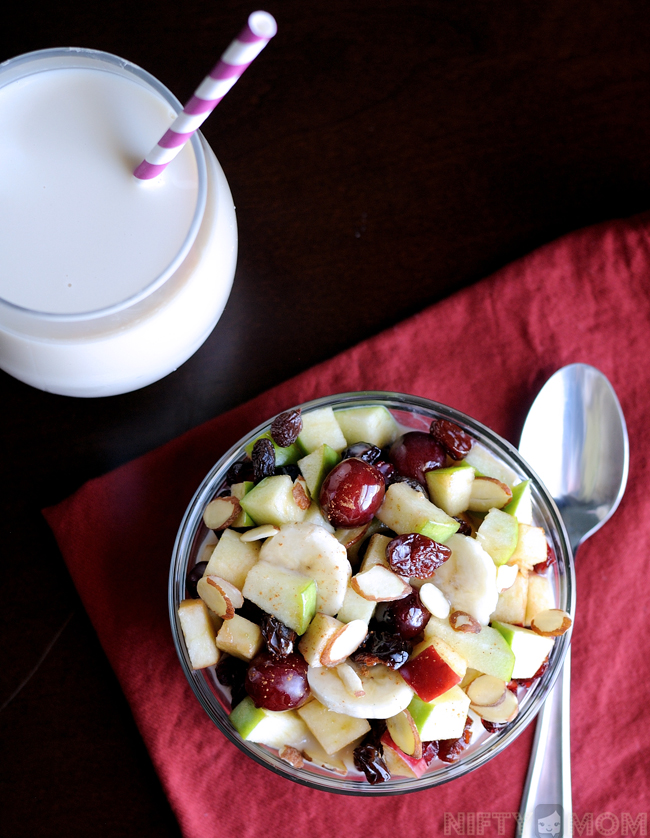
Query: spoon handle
{"points": [[549, 773]]}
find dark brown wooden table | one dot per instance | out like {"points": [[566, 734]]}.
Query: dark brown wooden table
{"points": [[381, 156]]}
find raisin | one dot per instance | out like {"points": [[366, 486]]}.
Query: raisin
{"points": [[362, 451], [263, 456], [453, 439], [286, 427], [416, 555], [369, 759], [382, 647], [231, 672], [292, 470], [278, 637], [465, 527], [251, 612], [240, 472], [192, 579], [430, 751], [414, 484]]}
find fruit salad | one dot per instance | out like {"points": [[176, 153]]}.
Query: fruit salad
{"points": [[371, 598]]}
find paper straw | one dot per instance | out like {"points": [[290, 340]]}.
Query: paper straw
{"points": [[259, 30]]}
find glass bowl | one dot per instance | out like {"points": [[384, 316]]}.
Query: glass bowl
{"points": [[415, 414]]}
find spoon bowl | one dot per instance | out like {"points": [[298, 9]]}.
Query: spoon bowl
{"points": [[576, 440]]}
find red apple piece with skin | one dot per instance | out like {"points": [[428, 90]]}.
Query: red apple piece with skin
{"points": [[433, 668]]}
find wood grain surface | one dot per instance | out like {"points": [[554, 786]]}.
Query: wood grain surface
{"points": [[381, 156]]}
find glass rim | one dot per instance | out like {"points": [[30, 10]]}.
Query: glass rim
{"points": [[120, 66], [328, 781]]}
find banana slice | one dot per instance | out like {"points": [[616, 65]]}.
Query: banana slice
{"points": [[385, 692], [313, 551], [468, 578]]}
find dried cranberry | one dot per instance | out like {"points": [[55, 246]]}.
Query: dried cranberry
{"points": [[263, 456], [456, 442], [551, 559], [192, 579], [363, 451], [369, 759], [240, 472], [383, 647], [450, 749], [430, 751], [286, 427], [415, 555], [493, 727], [278, 637]]}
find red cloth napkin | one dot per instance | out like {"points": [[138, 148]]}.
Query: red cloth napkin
{"points": [[486, 351]]}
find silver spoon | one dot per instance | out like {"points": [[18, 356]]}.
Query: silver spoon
{"points": [[575, 438]]}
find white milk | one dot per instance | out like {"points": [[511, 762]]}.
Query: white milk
{"points": [[107, 283]]}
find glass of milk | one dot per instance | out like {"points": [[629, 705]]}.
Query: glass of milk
{"points": [[107, 283]]}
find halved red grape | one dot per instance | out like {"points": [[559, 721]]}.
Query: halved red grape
{"points": [[277, 683], [407, 617], [351, 493], [415, 453]]}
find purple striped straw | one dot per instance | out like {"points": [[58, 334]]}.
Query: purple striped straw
{"points": [[259, 30]]}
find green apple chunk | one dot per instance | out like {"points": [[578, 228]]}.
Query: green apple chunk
{"points": [[272, 501], [405, 510], [487, 464], [283, 456], [373, 424], [316, 466], [442, 718], [332, 730], [530, 649], [232, 558], [487, 651], [267, 727], [318, 427], [286, 594], [238, 490], [498, 535], [521, 504], [451, 488]]}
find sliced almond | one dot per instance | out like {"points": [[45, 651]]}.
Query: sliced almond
{"points": [[551, 623], [300, 493], [258, 533], [220, 596], [404, 733], [462, 621], [221, 513], [379, 584], [502, 713], [349, 676], [434, 600], [343, 642], [487, 691], [488, 493], [292, 756]]}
